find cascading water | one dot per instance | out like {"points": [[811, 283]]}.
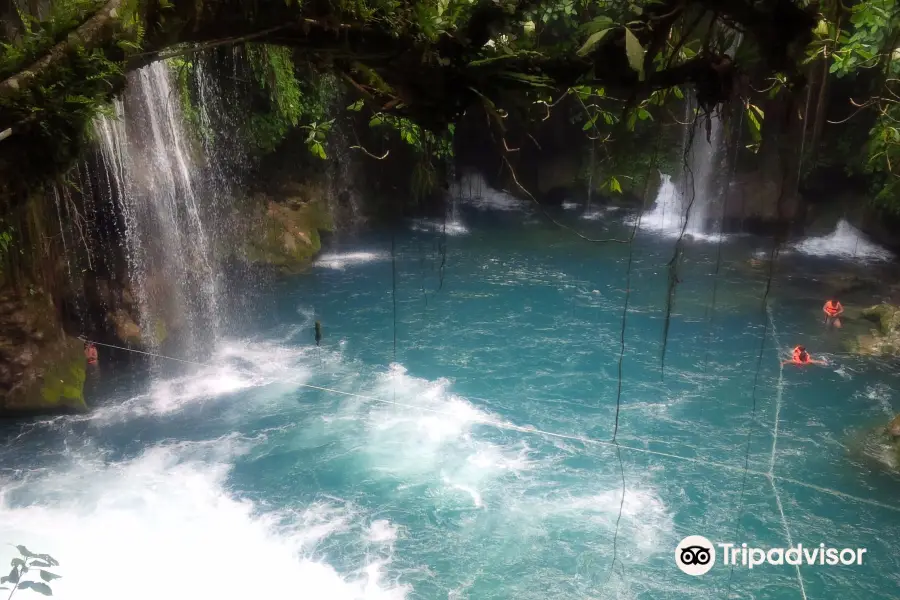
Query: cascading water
{"points": [[698, 189], [701, 186], [846, 241], [152, 172]]}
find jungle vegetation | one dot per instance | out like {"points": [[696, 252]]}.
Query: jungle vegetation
{"points": [[415, 67]]}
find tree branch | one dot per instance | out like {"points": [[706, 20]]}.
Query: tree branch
{"points": [[94, 32]]}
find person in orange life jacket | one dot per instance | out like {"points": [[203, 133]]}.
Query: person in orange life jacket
{"points": [[833, 310], [802, 357], [90, 353]]}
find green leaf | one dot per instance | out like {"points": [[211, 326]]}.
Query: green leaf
{"points": [[592, 41], [17, 562], [13, 576], [48, 576], [376, 121], [754, 126], [643, 114], [356, 106], [40, 563], [317, 149], [601, 22], [635, 53], [678, 93], [614, 185], [37, 586], [25, 552]]}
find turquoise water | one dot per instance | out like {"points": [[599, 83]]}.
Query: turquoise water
{"points": [[473, 458]]}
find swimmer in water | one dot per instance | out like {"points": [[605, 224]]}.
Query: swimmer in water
{"points": [[802, 357], [318, 333], [90, 353], [833, 310]]}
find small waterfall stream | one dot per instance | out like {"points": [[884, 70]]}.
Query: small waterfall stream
{"points": [[697, 191], [160, 180]]}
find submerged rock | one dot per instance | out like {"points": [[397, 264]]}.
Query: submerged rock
{"points": [[893, 428]]}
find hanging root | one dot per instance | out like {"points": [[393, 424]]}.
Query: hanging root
{"points": [[674, 262], [614, 440]]}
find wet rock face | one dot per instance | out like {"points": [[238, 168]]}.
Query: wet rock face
{"points": [[285, 234], [884, 338], [41, 369]]}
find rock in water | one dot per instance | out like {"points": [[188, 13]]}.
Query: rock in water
{"points": [[893, 427]]}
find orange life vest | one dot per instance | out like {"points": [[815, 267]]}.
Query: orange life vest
{"points": [[833, 308], [800, 356]]}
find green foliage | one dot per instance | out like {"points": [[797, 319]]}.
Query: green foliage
{"points": [[422, 141], [25, 565], [755, 116], [37, 36], [183, 69], [316, 139], [873, 24], [290, 100]]}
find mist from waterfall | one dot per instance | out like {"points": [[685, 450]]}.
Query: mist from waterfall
{"points": [[167, 195], [690, 202]]}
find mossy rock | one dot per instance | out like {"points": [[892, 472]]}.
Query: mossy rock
{"points": [[287, 237], [160, 331], [55, 383], [887, 316]]}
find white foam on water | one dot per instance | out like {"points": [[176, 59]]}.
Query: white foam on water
{"points": [[164, 525], [453, 227], [569, 205], [429, 438], [646, 522], [473, 190], [342, 260], [382, 532], [667, 216], [845, 241], [595, 214], [881, 395], [236, 365]]}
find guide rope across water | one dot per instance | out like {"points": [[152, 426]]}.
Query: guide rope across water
{"points": [[588, 441]]}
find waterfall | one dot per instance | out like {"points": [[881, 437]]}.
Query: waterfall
{"points": [[698, 189], [160, 180], [701, 179]]}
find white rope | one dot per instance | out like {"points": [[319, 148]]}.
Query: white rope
{"points": [[563, 436], [778, 395], [778, 390]]}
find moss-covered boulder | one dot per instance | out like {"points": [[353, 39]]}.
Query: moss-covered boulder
{"points": [[886, 316], [41, 370], [286, 235], [884, 338]]}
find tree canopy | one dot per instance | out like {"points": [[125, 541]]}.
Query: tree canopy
{"points": [[428, 61]]}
